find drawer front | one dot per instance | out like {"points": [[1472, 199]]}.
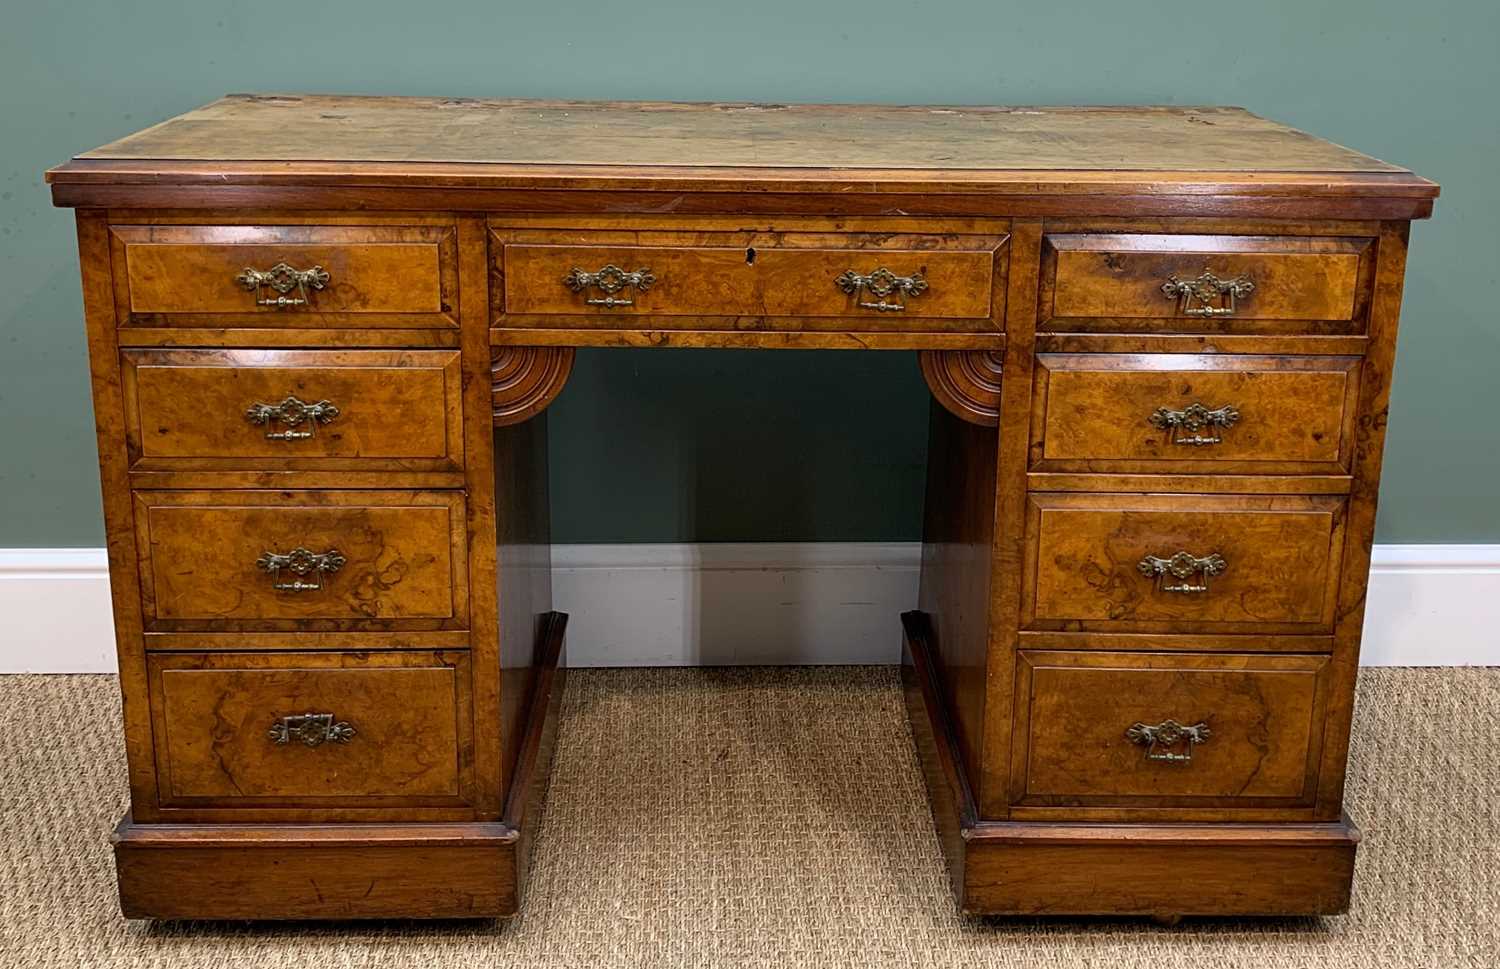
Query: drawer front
{"points": [[1194, 413], [1169, 563], [1203, 283], [1156, 730], [302, 559], [294, 729], [293, 410], [285, 275], [719, 281]]}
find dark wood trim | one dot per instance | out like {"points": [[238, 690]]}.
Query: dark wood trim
{"points": [[533, 769], [346, 871], [819, 199]]}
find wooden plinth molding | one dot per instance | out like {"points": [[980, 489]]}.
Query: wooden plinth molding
{"points": [[524, 380], [965, 382]]}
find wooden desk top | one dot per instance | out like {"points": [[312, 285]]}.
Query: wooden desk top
{"points": [[313, 139]]}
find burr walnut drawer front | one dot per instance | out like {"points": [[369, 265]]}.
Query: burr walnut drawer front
{"points": [[294, 409], [302, 559], [722, 280], [1205, 283], [1193, 413], [310, 729], [285, 275], [1182, 563], [1168, 730]]}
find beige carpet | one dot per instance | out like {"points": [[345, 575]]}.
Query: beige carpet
{"points": [[768, 818]]}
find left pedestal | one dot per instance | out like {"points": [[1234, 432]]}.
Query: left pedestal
{"points": [[345, 871]]}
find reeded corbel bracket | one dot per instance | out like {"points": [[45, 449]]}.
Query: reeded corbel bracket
{"points": [[965, 382], [524, 380]]}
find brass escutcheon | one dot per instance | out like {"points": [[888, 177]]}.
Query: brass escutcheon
{"points": [[300, 562], [1207, 295], [1159, 739], [880, 284], [1187, 425], [293, 413], [282, 278], [609, 280], [1182, 567], [312, 729]]}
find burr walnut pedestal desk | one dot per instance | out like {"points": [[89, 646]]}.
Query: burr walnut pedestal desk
{"points": [[324, 332]]}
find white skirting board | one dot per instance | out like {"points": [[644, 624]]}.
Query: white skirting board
{"points": [[792, 603]]}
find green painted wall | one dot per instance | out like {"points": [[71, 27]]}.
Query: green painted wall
{"points": [[654, 446]]}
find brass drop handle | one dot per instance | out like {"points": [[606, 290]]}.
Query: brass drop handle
{"points": [[1207, 295], [1187, 426], [1163, 739], [881, 283], [301, 563], [282, 279], [293, 413], [1184, 572], [312, 729], [609, 280]]}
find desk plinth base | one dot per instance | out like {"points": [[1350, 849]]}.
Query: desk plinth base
{"points": [[352, 871], [316, 871], [1163, 871]]}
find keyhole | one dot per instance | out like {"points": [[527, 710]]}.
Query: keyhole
{"points": [[750, 257]]}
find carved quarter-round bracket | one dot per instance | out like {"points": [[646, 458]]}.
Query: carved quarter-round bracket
{"points": [[965, 382], [524, 380]]}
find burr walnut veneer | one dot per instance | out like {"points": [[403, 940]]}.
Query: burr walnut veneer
{"points": [[324, 331]]}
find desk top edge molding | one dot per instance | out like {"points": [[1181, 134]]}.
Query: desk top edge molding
{"points": [[1172, 159]]}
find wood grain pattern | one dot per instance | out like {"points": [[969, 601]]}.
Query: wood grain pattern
{"points": [[523, 576], [1044, 237], [1282, 556], [1093, 413], [397, 410], [378, 275], [705, 278], [315, 871], [1160, 871], [1114, 281], [1263, 714], [405, 558], [409, 712], [958, 533]]}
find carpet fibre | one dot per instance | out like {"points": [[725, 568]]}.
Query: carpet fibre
{"points": [[768, 817]]}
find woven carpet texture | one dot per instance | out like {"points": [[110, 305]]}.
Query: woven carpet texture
{"points": [[768, 818]]}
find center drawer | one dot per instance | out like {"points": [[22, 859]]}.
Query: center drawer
{"points": [[311, 729], [377, 410], [1182, 563], [302, 559], [735, 280]]}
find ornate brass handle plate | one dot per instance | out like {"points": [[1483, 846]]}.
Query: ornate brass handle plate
{"points": [[301, 563], [609, 280], [1207, 295], [282, 279], [312, 729], [294, 414], [881, 283], [1179, 572], [1187, 426], [1161, 740]]}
